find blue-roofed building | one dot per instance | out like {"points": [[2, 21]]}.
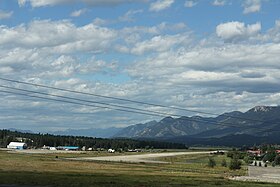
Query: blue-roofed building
{"points": [[68, 148]]}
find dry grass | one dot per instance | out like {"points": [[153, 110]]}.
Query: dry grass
{"points": [[46, 169]]}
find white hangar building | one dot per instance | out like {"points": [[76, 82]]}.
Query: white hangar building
{"points": [[17, 145]]}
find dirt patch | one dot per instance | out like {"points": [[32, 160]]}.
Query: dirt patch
{"points": [[261, 174]]}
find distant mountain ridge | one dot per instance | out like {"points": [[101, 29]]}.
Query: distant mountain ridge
{"points": [[167, 127], [90, 132], [260, 121], [20, 130]]}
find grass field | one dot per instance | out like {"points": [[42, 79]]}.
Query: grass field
{"points": [[47, 170]]}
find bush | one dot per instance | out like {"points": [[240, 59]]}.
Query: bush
{"points": [[270, 156], [235, 164], [224, 163], [238, 154], [211, 162], [277, 160], [248, 160]]}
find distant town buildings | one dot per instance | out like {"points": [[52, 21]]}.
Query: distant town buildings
{"points": [[254, 152]]}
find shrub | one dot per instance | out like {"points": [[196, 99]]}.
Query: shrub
{"points": [[235, 164], [238, 154], [224, 163], [211, 162], [248, 160]]}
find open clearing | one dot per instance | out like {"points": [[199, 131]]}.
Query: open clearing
{"points": [[142, 158]]}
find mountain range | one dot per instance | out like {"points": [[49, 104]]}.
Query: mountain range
{"points": [[260, 124]]}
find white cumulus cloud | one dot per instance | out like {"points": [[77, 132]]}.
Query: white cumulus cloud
{"points": [[161, 5], [251, 6], [219, 3], [5, 15], [79, 12], [21, 2], [63, 35], [236, 31], [273, 34], [190, 4], [159, 43], [128, 16]]}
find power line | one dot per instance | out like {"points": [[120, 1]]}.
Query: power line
{"points": [[76, 103], [90, 101], [126, 100], [144, 112], [159, 114], [83, 104]]}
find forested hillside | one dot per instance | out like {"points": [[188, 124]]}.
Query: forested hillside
{"points": [[259, 121]]}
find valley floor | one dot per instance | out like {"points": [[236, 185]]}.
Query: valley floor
{"points": [[21, 169]]}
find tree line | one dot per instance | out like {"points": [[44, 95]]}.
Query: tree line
{"points": [[39, 140]]}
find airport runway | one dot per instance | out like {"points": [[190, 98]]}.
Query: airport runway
{"points": [[145, 158]]}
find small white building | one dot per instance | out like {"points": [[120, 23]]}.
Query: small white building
{"points": [[17, 145], [53, 149], [111, 150]]}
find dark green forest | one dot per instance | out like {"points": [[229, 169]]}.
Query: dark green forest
{"points": [[39, 140]]}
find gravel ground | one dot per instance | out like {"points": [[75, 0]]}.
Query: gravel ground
{"points": [[146, 158], [261, 174]]}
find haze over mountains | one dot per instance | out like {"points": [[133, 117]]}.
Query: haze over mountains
{"points": [[91, 132]]}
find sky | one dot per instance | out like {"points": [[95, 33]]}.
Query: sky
{"points": [[205, 55]]}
